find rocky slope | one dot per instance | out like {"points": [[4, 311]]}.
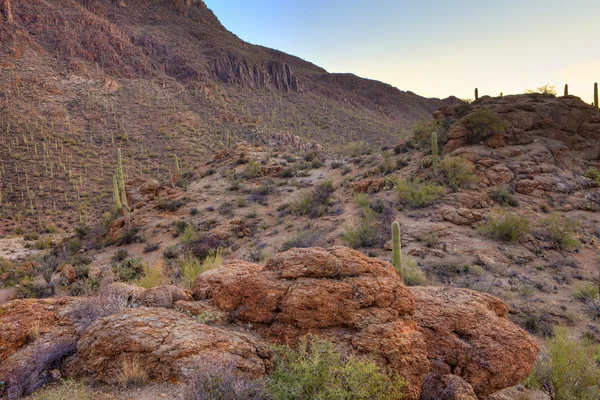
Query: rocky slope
{"points": [[163, 80]]}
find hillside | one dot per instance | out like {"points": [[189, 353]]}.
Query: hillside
{"points": [[163, 80], [511, 212]]}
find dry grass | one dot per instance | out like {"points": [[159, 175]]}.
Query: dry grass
{"points": [[133, 373]]}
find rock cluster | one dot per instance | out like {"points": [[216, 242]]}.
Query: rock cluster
{"points": [[446, 343]]}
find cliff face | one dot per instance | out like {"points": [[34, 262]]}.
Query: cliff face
{"points": [[275, 76]]}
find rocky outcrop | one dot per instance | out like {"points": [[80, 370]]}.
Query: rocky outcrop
{"points": [[141, 190], [160, 296], [166, 343], [468, 335], [358, 302], [24, 321], [275, 75]]}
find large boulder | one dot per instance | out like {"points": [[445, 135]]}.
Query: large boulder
{"points": [[468, 335], [358, 302], [166, 343]]}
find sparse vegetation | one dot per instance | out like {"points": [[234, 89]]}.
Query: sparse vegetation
{"points": [[153, 275], [505, 226], [559, 230], [482, 124], [129, 270], [133, 373], [459, 171], [593, 174], [417, 194], [503, 196]]}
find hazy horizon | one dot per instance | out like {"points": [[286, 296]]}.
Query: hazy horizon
{"points": [[433, 48]]}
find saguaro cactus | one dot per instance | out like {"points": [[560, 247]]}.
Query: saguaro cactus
{"points": [[596, 99], [7, 11], [566, 90], [397, 249], [434, 151], [121, 181], [116, 193], [476, 93]]}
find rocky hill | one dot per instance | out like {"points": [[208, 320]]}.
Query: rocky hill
{"points": [[504, 232], [168, 84]]}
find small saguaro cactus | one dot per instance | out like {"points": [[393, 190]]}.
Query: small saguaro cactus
{"points": [[434, 151], [116, 194], [566, 89], [476, 94], [397, 249], [119, 185], [596, 99]]}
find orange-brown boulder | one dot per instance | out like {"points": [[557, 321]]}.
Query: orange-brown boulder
{"points": [[23, 321], [469, 335], [68, 273], [357, 302], [166, 343]]}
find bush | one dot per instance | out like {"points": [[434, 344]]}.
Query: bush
{"points": [[128, 237], [545, 89], [253, 170], [357, 149], [151, 247], [316, 203], [593, 174], [503, 196], [170, 205], [120, 255], [314, 370], [133, 373], [154, 275], [417, 194], [43, 243], [567, 369], [68, 389], [304, 239], [587, 293], [129, 270], [413, 276], [458, 171], [205, 246], [505, 226], [366, 233], [559, 231], [221, 381], [226, 208], [189, 234], [422, 131], [190, 267], [482, 124]]}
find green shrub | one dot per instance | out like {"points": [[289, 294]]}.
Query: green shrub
{"points": [[129, 270], [315, 203], [128, 237], [43, 243], [153, 275], [314, 370], [458, 170], [357, 149], [505, 226], [361, 200], [417, 194], [482, 124], [208, 317], [190, 267], [189, 234], [503, 196], [120, 255], [559, 229], [567, 369], [253, 170], [586, 293], [593, 174], [413, 276], [304, 239], [366, 233], [422, 131]]}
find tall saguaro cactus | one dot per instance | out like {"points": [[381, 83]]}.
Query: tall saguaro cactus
{"points": [[116, 193], [596, 99], [476, 94], [397, 249], [434, 151], [566, 90], [7, 10], [120, 179]]}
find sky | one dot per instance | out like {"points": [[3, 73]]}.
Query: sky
{"points": [[435, 48]]}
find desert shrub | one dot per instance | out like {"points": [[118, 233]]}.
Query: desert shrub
{"points": [[361, 200], [413, 276], [68, 389], [27, 287], [84, 287], [73, 245], [129, 270], [180, 226], [82, 231], [205, 246], [366, 233], [505, 226], [567, 369], [120, 255], [417, 194], [316, 203], [132, 373], [128, 237], [43, 243], [214, 381], [593, 174], [108, 301], [336, 164], [422, 131], [482, 124], [458, 170], [47, 265], [253, 170], [226, 208], [31, 236], [503, 196], [151, 247], [287, 173], [304, 239], [171, 252], [153, 275], [31, 375], [559, 230], [170, 205], [586, 293], [430, 239], [190, 267], [358, 148], [544, 89], [315, 370], [208, 317], [189, 234]]}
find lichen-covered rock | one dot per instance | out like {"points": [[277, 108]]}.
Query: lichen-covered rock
{"points": [[358, 302], [168, 344], [468, 335]]}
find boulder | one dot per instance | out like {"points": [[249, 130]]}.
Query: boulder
{"points": [[468, 335], [160, 296], [446, 387], [24, 321], [357, 302], [68, 273], [168, 344]]}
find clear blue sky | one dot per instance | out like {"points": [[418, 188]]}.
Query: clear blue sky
{"points": [[435, 48]]}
